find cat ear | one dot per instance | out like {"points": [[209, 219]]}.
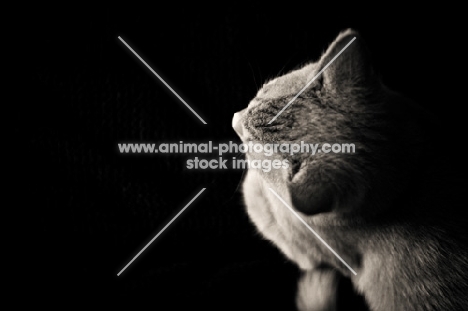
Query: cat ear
{"points": [[352, 66], [321, 187], [308, 197]]}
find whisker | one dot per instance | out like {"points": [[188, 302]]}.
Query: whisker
{"points": [[260, 72], [253, 75], [238, 155], [282, 68]]}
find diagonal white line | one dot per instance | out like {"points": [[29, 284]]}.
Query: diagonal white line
{"points": [[313, 79], [312, 230], [167, 85], [162, 230]]}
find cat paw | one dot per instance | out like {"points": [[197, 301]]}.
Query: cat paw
{"points": [[317, 290]]}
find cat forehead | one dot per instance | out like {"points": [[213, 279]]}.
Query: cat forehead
{"points": [[288, 84]]}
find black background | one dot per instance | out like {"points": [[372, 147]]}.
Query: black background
{"points": [[89, 209]]}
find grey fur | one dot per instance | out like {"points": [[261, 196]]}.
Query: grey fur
{"points": [[389, 210]]}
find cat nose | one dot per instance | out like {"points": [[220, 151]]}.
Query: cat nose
{"points": [[237, 123]]}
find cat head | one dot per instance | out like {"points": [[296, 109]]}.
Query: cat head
{"points": [[345, 103]]}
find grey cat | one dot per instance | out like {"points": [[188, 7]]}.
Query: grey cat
{"points": [[391, 210]]}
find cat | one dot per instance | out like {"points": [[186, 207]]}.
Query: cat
{"points": [[387, 209]]}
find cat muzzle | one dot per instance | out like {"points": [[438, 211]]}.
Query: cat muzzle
{"points": [[237, 123]]}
